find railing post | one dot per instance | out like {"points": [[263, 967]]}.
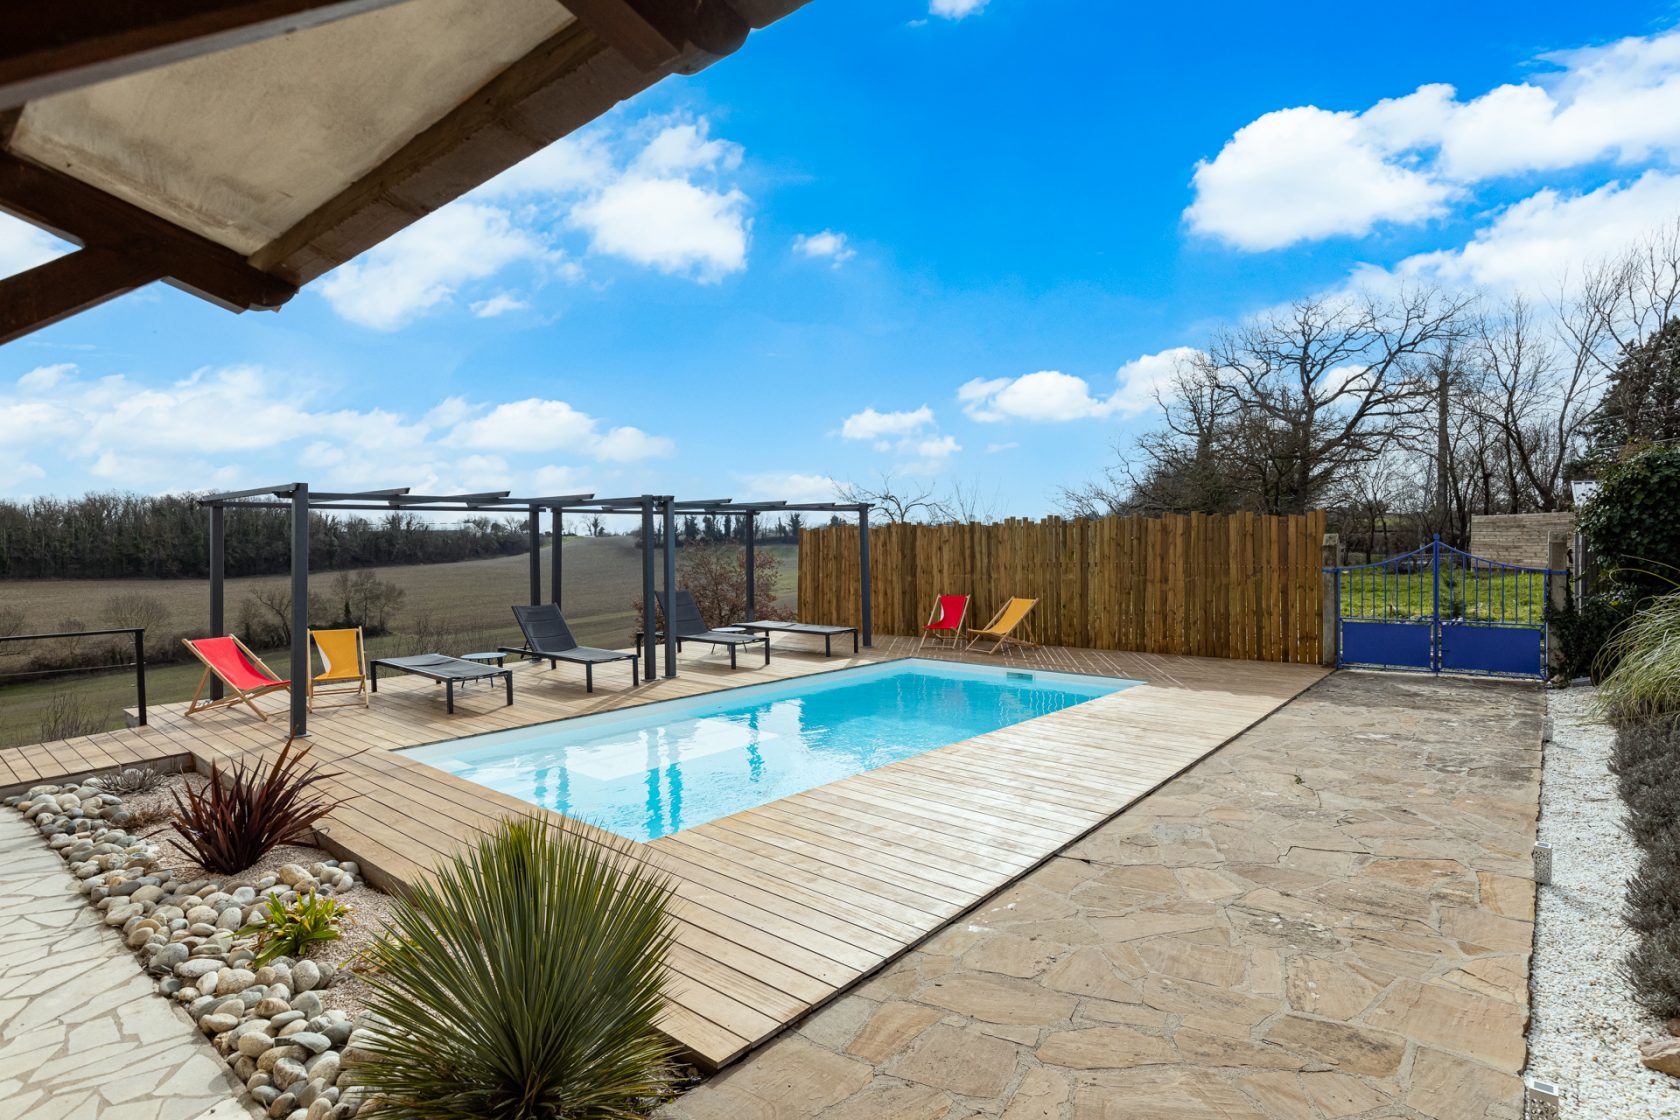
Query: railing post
{"points": [[218, 596], [648, 644], [1436, 637], [536, 557], [300, 611], [669, 522], [863, 577], [140, 670], [1329, 582], [752, 575], [557, 523]]}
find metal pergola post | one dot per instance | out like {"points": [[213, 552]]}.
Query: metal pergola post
{"points": [[670, 600], [752, 576], [535, 525], [648, 643], [863, 576], [218, 590], [300, 610], [555, 524]]}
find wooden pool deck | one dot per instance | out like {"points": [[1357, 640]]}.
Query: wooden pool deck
{"points": [[783, 906]]}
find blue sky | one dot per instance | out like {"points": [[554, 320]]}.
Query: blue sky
{"points": [[960, 244]]}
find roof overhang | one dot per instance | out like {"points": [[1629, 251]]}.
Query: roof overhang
{"points": [[238, 149]]}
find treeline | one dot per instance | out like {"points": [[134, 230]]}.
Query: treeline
{"points": [[131, 536]]}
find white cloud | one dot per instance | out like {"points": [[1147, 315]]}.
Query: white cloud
{"points": [[955, 9], [570, 164], [22, 246], [672, 225], [935, 448], [994, 448], [790, 486], [827, 245], [499, 304], [43, 378], [629, 445], [682, 148], [422, 266], [870, 424], [1308, 173], [1051, 396], [554, 479], [1548, 238], [548, 425]]}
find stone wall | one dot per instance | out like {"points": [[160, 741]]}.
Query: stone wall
{"points": [[1517, 538]]}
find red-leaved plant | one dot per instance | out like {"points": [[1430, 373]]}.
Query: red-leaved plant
{"points": [[230, 825]]}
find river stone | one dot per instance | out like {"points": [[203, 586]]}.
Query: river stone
{"points": [[311, 1041], [320, 1109], [230, 919], [193, 969], [264, 1095], [252, 1045], [290, 1029], [272, 1007], [307, 1002], [286, 1018], [234, 980], [287, 1072], [209, 981], [323, 1067], [275, 1053], [1661, 1054], [202, 914], [214, 1023], [281, 1106], [305, 976]]}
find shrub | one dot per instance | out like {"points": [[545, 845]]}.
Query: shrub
{"points": [[1582, 633], [290, 930], [68, 717], [231, 824], [1633, 521], [1652, 970], [522, 983], [1646, 762], [363, 599], [1645, 683], [133, 608], [135, 779]]}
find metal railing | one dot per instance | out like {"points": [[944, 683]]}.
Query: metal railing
{"points": [[139, 665]]}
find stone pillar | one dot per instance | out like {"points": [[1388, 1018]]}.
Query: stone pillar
{"points": [[1557, 589]]}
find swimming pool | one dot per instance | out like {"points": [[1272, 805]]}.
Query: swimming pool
{"points": [[653, 770]]}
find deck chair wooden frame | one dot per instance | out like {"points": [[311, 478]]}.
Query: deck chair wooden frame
{"points": [[245, 696], [1002, 628], [337, 680], [954, 633]]}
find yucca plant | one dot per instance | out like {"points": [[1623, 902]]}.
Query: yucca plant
{"points": [[290, 929], [522, 982], [1645, 684], [230, 825]]}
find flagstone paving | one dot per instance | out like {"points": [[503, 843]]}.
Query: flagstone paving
{"points": [[83, 1035], [1329, 918]]}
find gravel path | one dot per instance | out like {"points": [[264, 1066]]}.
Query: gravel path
{"points": [[1586, 1028]]}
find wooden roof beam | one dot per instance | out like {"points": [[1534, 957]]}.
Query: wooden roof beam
{"points": [[85, 215], [654, 34], [67, 285], [55, 45]]}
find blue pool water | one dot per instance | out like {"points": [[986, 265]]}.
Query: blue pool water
{"points": [[651, 771]]}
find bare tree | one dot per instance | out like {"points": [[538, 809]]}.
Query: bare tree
{"points": [[898, 499]]}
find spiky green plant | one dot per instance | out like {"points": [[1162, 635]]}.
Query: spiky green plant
{"points": [[1645, 684], [522, 983], [290, 929]]}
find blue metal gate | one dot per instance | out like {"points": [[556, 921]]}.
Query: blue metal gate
{"points": [[1442, 610]]}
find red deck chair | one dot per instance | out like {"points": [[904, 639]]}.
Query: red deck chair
{"points": [[946, 620], [237, 668]]}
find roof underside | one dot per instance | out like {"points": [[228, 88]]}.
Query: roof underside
{"points": [[241, 148]]}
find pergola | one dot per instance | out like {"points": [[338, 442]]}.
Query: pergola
{"points": [[660, 509], [238, 149]]}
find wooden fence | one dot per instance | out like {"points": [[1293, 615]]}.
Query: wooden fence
{"points": [[1239, 585]]}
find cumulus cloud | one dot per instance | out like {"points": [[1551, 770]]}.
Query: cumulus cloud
{"points": [[22, 246], [1051, 396], [1307, 173], [791, 486], [397, 281], [955, 9], [177, 433], [827, 245], [669, 224], [870, 424], [499, 304]]}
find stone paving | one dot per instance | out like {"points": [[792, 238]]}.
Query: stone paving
{"points": [[83, 1035], [1329, 918]]}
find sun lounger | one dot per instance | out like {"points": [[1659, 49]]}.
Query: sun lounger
{"points": [[548, 638], [946, 620], [343, 665], [231, 662], [1003, 625], [826, 633], [691, 627], [444, 669]]}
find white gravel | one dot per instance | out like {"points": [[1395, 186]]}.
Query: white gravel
{"points": [[1586, 1028]]}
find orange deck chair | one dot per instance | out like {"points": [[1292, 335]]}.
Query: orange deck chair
{"points": [[946, 620], [343, 665], [1003, 625], [237, 668]]}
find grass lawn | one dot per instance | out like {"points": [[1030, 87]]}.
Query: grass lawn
{"points": [[454, 608], [1484, 595]]}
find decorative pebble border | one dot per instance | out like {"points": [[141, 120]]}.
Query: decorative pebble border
{"points": [[292, 1054]]}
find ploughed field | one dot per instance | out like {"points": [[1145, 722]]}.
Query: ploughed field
{"points": [[446, 608]]}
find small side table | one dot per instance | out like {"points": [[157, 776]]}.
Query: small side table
{"points": [[486, 657]]}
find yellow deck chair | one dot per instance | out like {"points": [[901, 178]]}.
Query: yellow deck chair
{"points": [[343, 665], [1003, 626]]}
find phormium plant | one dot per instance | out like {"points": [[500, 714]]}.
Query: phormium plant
{"points": [[237, 818], [523, 983]]}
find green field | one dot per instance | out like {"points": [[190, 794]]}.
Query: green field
{"points": [[1482, 596], [452, 608]]}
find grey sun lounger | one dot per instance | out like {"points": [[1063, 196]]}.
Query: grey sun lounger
{"points": [[442, 668], [691, 627], [548, 638], [826, 633]]}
